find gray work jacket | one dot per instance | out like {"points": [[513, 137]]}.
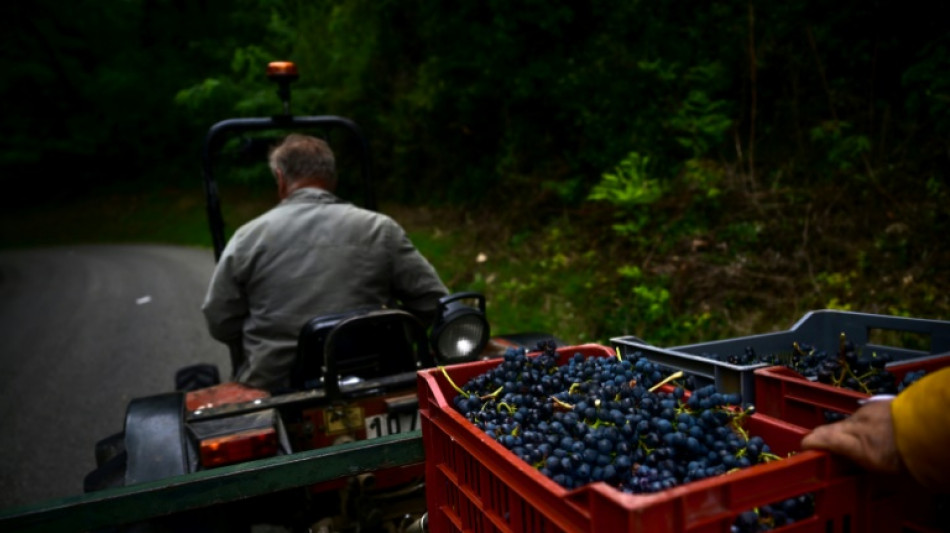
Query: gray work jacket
{"points": [[311, 255]]}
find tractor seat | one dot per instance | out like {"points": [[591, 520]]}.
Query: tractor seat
{"points": [[366, 344]]}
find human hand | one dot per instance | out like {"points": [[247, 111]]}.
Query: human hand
{"points": [[866, 437]]}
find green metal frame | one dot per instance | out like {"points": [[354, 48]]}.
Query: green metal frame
{"points": [[211, 487]]}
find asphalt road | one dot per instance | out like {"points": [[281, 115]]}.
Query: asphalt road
{"points": [[83, 330]]}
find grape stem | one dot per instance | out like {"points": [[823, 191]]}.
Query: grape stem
{"points": [[507, 407], [452, 383], [738, 420], [562, 404], [846, 371], [492, 395], [741, 431], [644, 447], [676, 375]]}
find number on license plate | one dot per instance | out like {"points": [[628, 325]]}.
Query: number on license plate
{"points": [[391, 423]]}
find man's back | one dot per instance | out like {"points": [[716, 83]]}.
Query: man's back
{"points": [[311, 255]]}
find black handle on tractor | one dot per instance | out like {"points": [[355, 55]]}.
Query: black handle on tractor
{"points": [[446, 301], [215, 137]]}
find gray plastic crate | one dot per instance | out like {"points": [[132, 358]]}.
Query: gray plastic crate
{"points": [[726, 376], [821, 329]]}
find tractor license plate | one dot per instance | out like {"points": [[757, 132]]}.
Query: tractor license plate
{"points": [[390, 424]]}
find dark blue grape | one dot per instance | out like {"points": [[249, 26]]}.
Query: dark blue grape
{"points": [[606, 426]]}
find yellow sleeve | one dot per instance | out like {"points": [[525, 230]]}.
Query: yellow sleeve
{"points": [[921, 416]]}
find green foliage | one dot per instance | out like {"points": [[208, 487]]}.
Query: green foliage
{"points": [[649, 303], [730, 140], [700, 122], [928, 81], [486, 91], [208, 98], [742, 234], [843, 152], [629, 185], [104, 78], [630, 189], [647, 309]]}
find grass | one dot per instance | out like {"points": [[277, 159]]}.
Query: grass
{"points": [[174, 215], [567, 273], [747, 265], [167, 217]]}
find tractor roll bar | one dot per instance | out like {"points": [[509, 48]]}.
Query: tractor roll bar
{"points": [[215, 137]]}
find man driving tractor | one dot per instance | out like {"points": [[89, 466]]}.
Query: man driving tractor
{"points": [[312, 254]]}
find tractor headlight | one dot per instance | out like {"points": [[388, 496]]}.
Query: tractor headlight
{"points": [[461, 331]]}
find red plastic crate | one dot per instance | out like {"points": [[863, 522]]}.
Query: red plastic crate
{"points": [[787, 395], [474, 484]]}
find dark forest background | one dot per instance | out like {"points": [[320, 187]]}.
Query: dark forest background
{"points": [[681, 171]]}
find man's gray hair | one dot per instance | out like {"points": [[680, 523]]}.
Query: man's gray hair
{"points": [[303, 157]]}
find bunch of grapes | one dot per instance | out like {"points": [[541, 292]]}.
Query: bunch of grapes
{"points": [[848, 367], [775, 515], [853, 370], [910, 378], [747, 357], [605, 419]]}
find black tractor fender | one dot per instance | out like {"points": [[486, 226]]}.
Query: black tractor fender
{"points": [[155, 438]]}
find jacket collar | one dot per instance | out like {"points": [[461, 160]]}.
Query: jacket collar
{"points": [[311, 195]]}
